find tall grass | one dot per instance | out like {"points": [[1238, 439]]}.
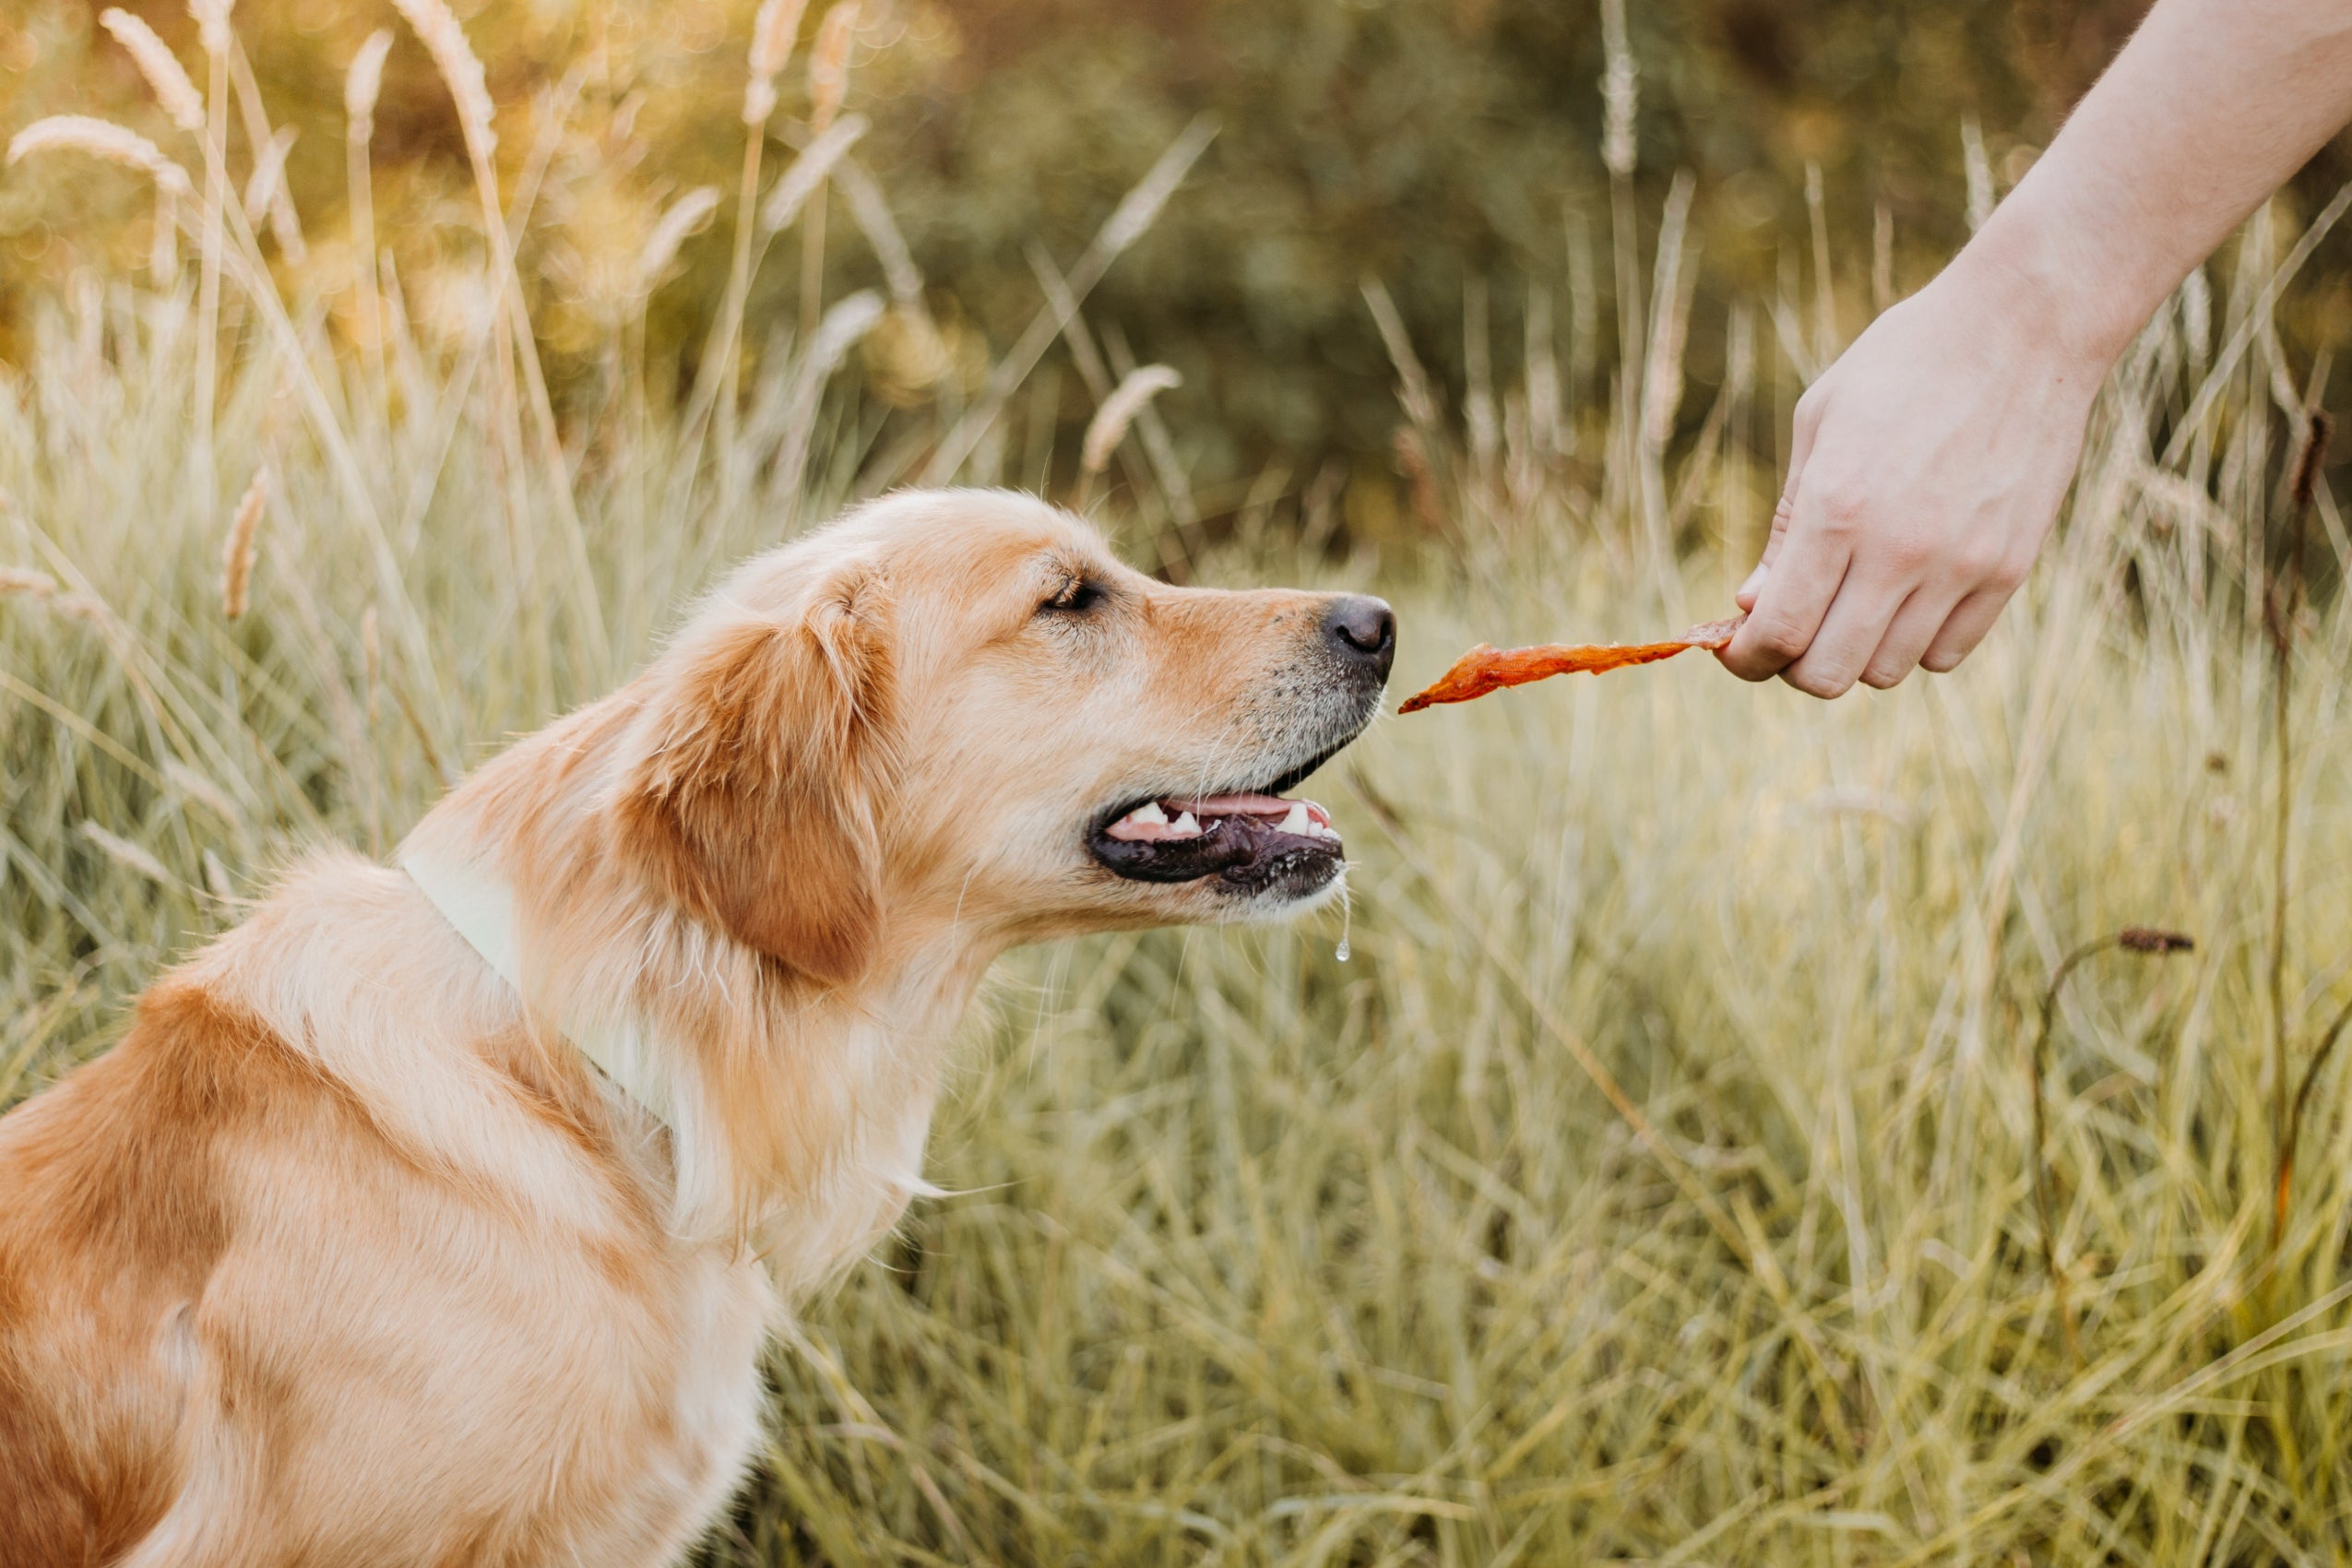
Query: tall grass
{"points": [[1659, 1182]]}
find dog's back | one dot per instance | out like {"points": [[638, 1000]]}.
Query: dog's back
{"points": [[113, 1222]]}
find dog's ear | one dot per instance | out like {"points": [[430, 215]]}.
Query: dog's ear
{"points": [[753, 794]]}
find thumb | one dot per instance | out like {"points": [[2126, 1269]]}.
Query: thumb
{"points": [[1782, 514], [1746, 597]]}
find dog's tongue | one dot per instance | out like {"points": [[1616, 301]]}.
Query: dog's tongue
{"points": [[1206, 807], [1159, 822]]}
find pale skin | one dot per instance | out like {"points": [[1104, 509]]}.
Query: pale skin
{"points": [[1930, 460]]}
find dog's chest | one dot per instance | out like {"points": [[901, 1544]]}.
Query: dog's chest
{"points": [[875, 1171], [705, 1435]]}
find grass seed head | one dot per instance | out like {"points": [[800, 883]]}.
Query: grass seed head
{"points": [[212, 23], [1620, 92], [773, 34], [365, 81], [1108, 426], [688, 215], [201, 789], [829, 64], [237, 555], [843, 326], [2320, 426], [437, 27], [123, 853], [161, 68], [808, 172], [100, 139], [27, 580], [2148, 939]]}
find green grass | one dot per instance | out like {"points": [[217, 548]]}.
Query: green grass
{"points": [[1654, 1182]]}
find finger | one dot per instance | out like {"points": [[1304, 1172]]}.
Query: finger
{"points": [[1965, 628], [1850, 632], [1790, 606], [1787, 508], [1908, 637]]}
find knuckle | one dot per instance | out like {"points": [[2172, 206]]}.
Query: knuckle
{"points": [[1841, 506], [1977, 562], [1908, 551], [1885, 677], [2008, 575]]}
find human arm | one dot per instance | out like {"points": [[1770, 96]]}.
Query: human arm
{"points": [[1930, 460]]}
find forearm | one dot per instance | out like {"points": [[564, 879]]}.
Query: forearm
{"points": [[2208, 109]]}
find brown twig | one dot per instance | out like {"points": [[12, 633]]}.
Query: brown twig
{"points": [[2132, 939]]}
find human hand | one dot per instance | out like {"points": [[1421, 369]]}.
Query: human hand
{"points": [[1927, 465]]}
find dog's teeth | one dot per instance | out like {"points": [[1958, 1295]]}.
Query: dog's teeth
{"points": [[1149, 815], [1296, 821], [1184, 826]]}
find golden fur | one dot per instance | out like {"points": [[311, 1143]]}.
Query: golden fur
{"points": [[346, 1255]]}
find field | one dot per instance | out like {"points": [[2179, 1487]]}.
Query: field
{"points": [[1690, 1159]]}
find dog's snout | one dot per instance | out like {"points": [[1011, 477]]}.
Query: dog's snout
{"points": [[1362, 631]]}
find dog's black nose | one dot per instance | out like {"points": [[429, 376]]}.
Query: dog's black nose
{"points": [[1363, 632]]}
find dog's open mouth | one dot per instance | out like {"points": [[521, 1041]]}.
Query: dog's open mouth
{"points": [[1253, 839]]}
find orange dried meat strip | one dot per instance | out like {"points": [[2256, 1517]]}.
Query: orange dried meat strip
{"points": [[1487, 669]]}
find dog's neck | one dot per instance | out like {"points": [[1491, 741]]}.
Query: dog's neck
{"points": [[790, 1106], [478, 902]]}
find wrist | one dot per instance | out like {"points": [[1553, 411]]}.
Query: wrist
{"points": [[2044, 282]]}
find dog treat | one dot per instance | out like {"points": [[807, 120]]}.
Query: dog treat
{"points": [[1489, 669]]}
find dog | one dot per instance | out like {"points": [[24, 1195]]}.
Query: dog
{"points": [[437, 1213]]}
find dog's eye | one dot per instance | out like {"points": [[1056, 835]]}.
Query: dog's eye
{"points": [[1073, 598]]}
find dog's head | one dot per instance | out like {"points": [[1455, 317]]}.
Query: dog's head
{"points": [[959, 710]]}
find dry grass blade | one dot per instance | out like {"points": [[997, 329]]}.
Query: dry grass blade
{"points": [[1413, 388], [1979, 171], [1134, 214], [2131, 939], [268, 172], [872, 209]]}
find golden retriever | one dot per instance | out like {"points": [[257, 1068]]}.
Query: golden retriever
{"points": [[436, 1214]]}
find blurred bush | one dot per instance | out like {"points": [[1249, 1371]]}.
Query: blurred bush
{"points": [[1437, 145]]}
